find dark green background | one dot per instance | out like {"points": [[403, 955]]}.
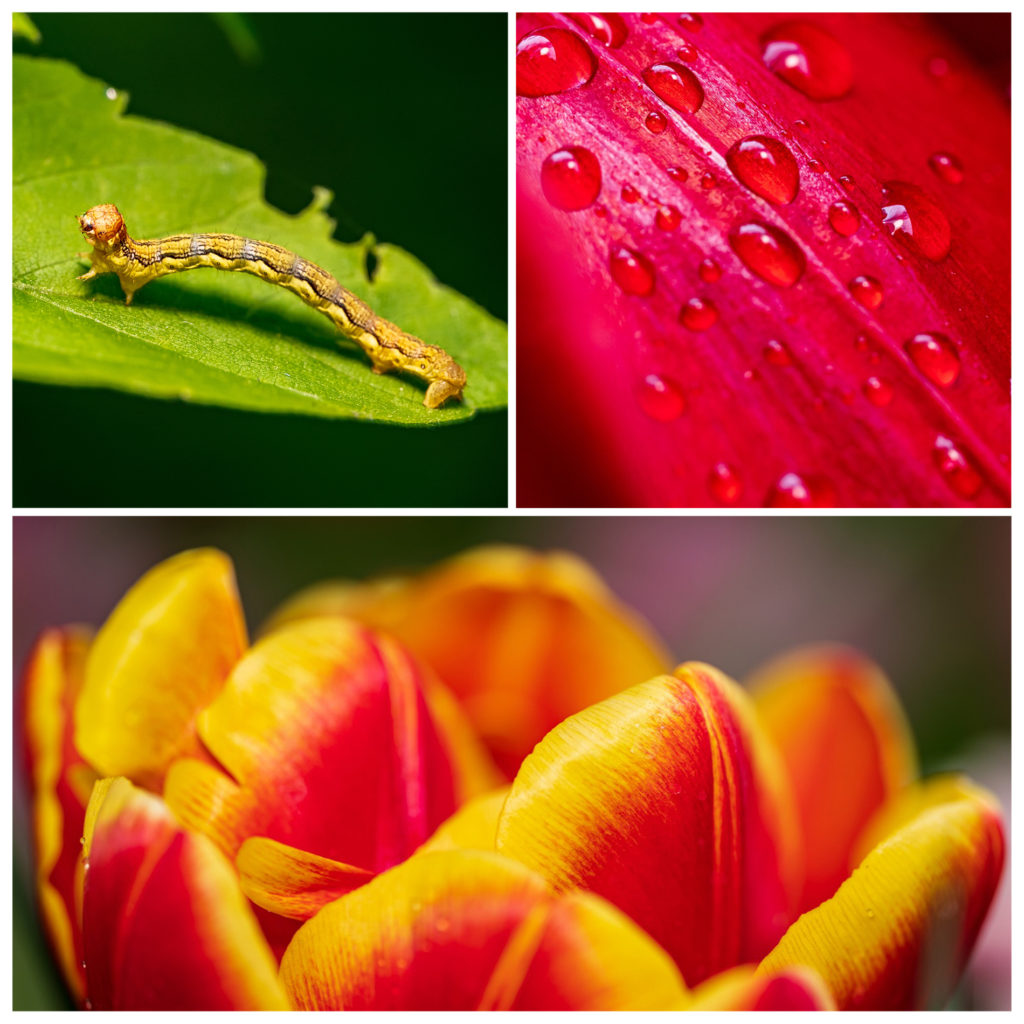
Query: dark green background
{"points": [[404, 118]]}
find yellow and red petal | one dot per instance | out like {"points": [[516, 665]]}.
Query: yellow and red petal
{"points": [[652, 799], [522, 639], [900, 929], [327, 745], [741, 988], [838, 725], [466, 930], [160, 658], [60, 782], [165, 924]]}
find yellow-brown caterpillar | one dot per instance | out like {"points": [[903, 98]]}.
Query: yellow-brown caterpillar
{"points": [[136, 263]]}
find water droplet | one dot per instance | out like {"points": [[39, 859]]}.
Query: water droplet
{"points": [[877, 391], [709, 271], [661, 399], [947, 167], [609, 29], [676, 85], [571, 178], [769, 253], [867, 291], [846, 181], [794, 491], [724, 483], [111, 94], [766, 167], [629, 194], [801, 126], [698, 314], [600, 211], [632, 272], [809, 59], [552, 60], [915, 220], [691, 22], [667, 218], [777, 353], [815, 166], [869, 912], [687, 52], [677, 174], [844, 218], [961, 476], [708, 180], [934, 355], [655, 122]]}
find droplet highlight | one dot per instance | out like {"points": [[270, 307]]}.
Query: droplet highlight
{"points": [[551, 61], [632, 272], [844, 218], [962, 478], [677, 85], [936, 357], [571, 178], [698, 314], [766, 167], [867, 291], [915, 220], [769, 253], [609, 29], [809, 59]]}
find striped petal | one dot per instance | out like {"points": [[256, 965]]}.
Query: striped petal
{"points": [[900, 929], [655, 800], [834, 717], [61, 782], [741, 988], [465, 930], [160, 658], [165, 925], [522, 639], [327, 746]]}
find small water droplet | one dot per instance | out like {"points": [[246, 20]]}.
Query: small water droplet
{"points": [[552, 60], [724, 483], [867, 291], [698, 314], [869, 912], [677, 174], [629, 194], [844, 218], [766, 166], [661, 398], [947, 167], [809, 59], [708, 270], [801, 126], [955, 469], [691, 22], [769, 253], [795, 491], [600, 211], [846, 181], [667, 218], [877, 391], [815, 166], [687, 52], [934, 355], [676, 85], [571, 178], [708, 181], [111, 94], [777, 353], [609, 29], [632, 272], [655, 122], [914, 219]]}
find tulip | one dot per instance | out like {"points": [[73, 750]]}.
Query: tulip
{"points": [[761, 261]]}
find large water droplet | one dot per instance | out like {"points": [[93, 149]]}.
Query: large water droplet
{"points": [[571, 178], [661, 399], [961, 476], [809, 59], [552, 60], [769, 253], [934, 355], [844, 218], [766, 167], [867, 291], [676, 85], [632, 272], [795, 491], [609, 29], [916, 220], [698, 314], [947, 167], [725, 483]]}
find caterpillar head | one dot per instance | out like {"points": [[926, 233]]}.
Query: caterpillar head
{"points": [[102, 226]]}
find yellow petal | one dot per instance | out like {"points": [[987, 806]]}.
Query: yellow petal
{"points": [[741, 988], [159, 659], [899, 930], [472, 827]]}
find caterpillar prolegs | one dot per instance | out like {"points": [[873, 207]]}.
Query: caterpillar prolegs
{"points": [[137, 263]]}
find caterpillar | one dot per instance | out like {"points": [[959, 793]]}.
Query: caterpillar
{"points": [[136, 263]]}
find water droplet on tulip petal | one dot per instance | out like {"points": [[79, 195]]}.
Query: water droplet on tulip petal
{"points": [[915, 220], [867, 291], [961, 476], [724, 483], [769, 253], [698, 314], [609, 29], [571, 178], [809, 59], [632, 272], [766, 166], [947, 167], [934, 355], [551, 61], [677, 85], [844, 218], [661, 399]]}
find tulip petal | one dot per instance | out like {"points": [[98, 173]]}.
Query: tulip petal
{"points": [[839, 727], [900, 929], [327, 745], [160, 658], [651, 799], [464, 930], [60, 785], [742, 989], [474, 826], [522, 639], [165, 924]]}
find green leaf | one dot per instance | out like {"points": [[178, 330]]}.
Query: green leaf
{"points": [[23, 26], [216, 338]]}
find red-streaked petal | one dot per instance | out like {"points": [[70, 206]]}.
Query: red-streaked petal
{"points": [[160, 658], [742, 989], [900, 929], [165, 924], [61, 782], [464, 930], [651, 800], [834, 717], [327, 745]]}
